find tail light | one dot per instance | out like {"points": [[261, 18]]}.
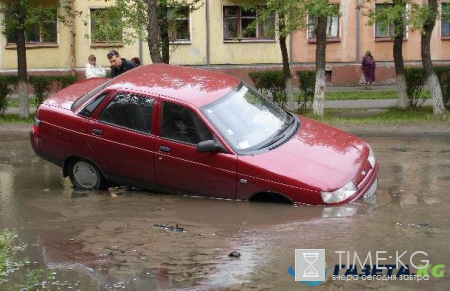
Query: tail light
{"points": [[37, 122]]}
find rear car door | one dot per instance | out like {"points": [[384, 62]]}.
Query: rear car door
{"points": [[178, 165], [121, 138]]}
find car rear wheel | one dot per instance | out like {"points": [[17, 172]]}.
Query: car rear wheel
{"points": [[85, 175]]}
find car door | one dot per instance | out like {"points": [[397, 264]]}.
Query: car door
{"points": [[121, 138], [180, 167]]}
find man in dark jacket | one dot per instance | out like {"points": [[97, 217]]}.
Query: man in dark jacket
{"points": [[119, 65]]}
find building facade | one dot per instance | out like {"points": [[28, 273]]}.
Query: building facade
{"points": [[218, 36]]}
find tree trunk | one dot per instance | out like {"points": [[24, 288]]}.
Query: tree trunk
{"points": [[24, 109], [430, 75], [164, 30], [402, 96], [72, 55], [319, 93], [290, 104], [153, 31]]}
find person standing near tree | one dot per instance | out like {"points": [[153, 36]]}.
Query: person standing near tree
{"points": [[119, 65], [368, 67], [93, 70], [136, 61]]}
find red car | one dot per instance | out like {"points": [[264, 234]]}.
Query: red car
{"points": [[188, 131]]}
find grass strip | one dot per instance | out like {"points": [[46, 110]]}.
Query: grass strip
{"points": [[14, 118], [391, 115]]}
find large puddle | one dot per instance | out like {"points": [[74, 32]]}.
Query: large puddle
{"points": [[108, 240]]}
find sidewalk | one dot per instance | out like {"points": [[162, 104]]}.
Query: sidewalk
{"points": [[335, 104]]}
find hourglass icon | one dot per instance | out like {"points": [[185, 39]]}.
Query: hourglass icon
{"points": [[310, 271]]}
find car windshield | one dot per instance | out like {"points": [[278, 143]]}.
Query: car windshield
{"points": [[247, 119]]}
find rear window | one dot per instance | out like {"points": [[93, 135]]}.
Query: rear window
{"points": [[88, 109], [80, 101]]}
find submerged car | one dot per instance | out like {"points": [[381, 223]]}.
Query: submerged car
{"points": [[188, 131]]}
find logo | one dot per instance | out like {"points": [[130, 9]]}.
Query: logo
{"points": [[309, 266], [311, 269], [309, 283]]}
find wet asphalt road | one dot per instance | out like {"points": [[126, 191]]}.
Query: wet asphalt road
{"points": [[107, 240]]}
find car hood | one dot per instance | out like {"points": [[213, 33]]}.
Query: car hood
{"points": [[317, 156], [64, 98]]}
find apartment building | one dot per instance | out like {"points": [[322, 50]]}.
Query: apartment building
{"points": [[207, 37]]}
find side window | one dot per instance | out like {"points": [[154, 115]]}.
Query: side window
{"points": [[182, 124], [130, 111], [87, 111]]}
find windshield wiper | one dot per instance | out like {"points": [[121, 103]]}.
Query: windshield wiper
{"points": [[280, 133]]}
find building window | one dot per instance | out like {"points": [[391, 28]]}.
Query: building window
{"points": [[237, 23], [385, 29], [445, 22], [179, 27], [332, 25], [44, 31], [106, 25]]}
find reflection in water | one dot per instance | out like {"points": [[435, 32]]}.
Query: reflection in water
{"points": [[339, 211], [413, 169], [110, 235], [7, 193]]}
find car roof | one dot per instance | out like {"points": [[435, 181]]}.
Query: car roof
{"points": [[196, 86]]}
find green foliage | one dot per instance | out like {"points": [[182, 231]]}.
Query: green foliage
{"points": [[292, 14], [270, 82], [7, 84], [16, 119], [307, 83], [38, 20], [415, 81], [392, 115], [65, 81], [10, 246], [396, 15], [14, 269], [44, 84], [107, 25], [352, 94], [135, 16]]}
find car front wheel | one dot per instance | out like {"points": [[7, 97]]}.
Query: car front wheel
{"points": [[85, 175]]}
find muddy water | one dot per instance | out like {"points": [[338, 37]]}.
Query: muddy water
{"points": [[107, 240]]}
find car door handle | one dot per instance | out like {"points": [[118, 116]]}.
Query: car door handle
{"points": [[97, 131], [164, 149]]}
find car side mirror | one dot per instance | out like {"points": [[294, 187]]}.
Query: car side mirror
{"points": [[209, 146]]}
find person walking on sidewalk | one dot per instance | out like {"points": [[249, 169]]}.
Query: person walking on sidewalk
{"points": [[368, 67]]}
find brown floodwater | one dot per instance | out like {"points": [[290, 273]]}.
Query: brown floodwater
{"points": [[107, 240]]}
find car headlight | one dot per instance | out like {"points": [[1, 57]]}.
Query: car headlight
{"points": [[340, 194], [372, 159]]}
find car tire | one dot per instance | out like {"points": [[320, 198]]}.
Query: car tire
{"points": [[85, 175]]}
